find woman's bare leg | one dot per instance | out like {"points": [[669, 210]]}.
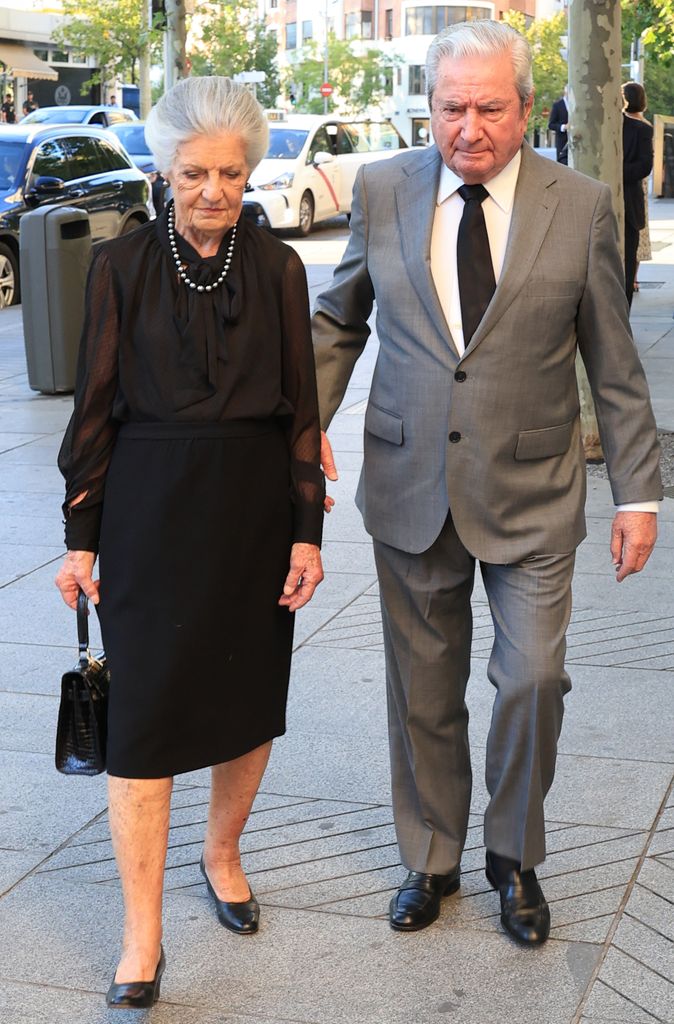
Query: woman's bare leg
{"points": [[233, 788], [139, 823]]}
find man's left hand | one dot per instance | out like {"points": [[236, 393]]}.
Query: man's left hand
{"points": [[632, 540]]}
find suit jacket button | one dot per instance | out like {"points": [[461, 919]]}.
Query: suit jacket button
{"points": [[455, 437], [460, 375]]}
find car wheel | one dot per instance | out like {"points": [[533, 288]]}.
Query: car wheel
{"points": [[130, 225], [306, 214], [9, 277]]}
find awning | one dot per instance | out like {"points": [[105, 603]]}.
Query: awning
{"points": [[20, 62]]}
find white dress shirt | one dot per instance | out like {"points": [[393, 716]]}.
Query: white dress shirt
{"points": [[498, 208]]}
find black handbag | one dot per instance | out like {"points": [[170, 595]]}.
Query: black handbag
{"points": [[82, 730]]}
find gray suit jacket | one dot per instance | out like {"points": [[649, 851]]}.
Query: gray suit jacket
{"points": [[515, 478]]}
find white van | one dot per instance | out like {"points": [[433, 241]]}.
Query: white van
{"points": [[310, 168]]}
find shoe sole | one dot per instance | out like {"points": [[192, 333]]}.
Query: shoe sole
{"points": [[451, 888]]}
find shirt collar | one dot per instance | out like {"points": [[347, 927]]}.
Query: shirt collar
{"points": [[501, 188]]}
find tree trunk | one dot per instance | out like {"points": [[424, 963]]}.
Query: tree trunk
{"points": [[175, 62], [595, 133], [145, 61]]}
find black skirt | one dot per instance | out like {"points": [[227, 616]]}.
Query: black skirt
{"points": [[194, 551]]}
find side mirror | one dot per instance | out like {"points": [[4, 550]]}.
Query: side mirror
{"points": [[45, 186], [323, 158]]}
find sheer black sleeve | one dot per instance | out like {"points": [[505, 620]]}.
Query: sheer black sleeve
{"points": [[299, 387], [87, 446]]}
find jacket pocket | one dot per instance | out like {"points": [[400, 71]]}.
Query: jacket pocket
{"points": [[544, 443], [386, 425]]}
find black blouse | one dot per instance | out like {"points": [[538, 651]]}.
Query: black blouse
{"points": [[154, 350]]}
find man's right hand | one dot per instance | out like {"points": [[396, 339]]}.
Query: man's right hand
{"points": [[328, 467], [75, 573]]}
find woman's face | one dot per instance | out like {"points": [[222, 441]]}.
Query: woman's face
{"points": [[208, 177]]}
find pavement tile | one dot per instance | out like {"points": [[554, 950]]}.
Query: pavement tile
{"points": [[607, 791], [639, 983], [646, 945], [607, 1006], [77, 937], [41, 808], [33, 668], [19, 559], [31, 531]]}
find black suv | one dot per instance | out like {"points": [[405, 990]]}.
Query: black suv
{"points": [[65, 166]]}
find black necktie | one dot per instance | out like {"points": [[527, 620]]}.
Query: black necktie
{"points": [[473, 259]]}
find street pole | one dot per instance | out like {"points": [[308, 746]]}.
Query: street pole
{"points": [[175, 37], [325, 58], [144, 61], [595, 133]]}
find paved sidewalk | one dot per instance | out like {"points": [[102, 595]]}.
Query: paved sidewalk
{"points": [[320, 849]]}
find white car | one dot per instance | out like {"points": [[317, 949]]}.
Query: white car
{"points": [[309, 171]]}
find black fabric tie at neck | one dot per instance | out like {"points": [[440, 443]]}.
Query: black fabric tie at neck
{"points": [[473, 258]]}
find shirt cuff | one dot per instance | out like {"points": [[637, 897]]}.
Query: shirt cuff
{"points": [[639, 506]]}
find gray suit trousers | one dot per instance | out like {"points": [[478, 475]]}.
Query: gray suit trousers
{"points": [[427, 633]]}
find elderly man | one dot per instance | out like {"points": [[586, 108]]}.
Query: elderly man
{"points": [[490, 266]]}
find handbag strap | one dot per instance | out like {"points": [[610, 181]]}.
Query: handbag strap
{"points": [[83, 626]]}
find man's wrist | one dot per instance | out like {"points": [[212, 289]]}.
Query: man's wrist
{"points": [[639, 506]]}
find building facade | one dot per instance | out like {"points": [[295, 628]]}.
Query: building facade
{"points": [[404, 28]]}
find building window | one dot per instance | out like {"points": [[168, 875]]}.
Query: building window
{"points": [[273, 4], [307, 31], [388, 23], [388, 81], [428, 21], [358, 25], [417, 80], [291, 35]]}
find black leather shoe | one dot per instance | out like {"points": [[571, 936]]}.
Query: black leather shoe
{"points": [[136, 995], [242, 918], [417, 902], [524, 911]]}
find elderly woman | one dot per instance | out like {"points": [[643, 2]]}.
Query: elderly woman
{"points": [[192, 469]]}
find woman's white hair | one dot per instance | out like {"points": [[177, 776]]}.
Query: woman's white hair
{"points": [[209, 105], [481, 38]]}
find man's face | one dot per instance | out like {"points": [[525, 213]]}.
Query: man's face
{"points": [[477, 118]]}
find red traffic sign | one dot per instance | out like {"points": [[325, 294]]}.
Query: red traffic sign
{"points": [[326, 89]]}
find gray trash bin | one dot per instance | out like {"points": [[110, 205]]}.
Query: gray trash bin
{"points": [[55, 249]]}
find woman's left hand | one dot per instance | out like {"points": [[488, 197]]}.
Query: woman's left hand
{"points": [[306, 572]]}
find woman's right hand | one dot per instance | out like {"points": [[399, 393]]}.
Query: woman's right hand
{"points": [[75, 574]]}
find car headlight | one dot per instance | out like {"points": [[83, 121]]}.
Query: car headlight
{"points": [[284, 181]]}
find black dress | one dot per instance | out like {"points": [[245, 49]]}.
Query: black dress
{"points": [[196, 437]]}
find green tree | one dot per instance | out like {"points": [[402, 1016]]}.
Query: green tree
{"points": [[113, 32], [650, 24], [358, 78], [235, 39], [550, 69]]}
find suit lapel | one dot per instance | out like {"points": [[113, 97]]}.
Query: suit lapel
{"points": [[533, 210], [416, 197]]}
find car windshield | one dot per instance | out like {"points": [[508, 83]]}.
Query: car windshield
{"points": [[285, 143], [132, 138], [11, 157], [63, 115]]}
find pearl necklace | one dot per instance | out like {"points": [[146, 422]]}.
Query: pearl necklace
{"points": [[182, 272]]}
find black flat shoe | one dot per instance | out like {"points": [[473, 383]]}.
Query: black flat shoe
{"points": [[242, 918], [417, 902], [524, 911], [136, 995]]}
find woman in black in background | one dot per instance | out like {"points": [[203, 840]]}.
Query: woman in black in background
{"points": [[192, 467], [637, 165]]}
